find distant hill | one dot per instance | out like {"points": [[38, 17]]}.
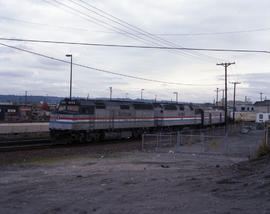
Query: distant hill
{"points": [[20, 99], [30, 99]]}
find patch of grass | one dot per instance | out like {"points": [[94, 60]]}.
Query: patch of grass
{"points": [[263, 150]]}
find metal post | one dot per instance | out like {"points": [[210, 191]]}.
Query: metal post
{"points": [[234, 91], [142, 93], [177, 140], [142, 141], [202, 142], [157, 141], [25, 98], [110, 93], [225, 141], [265, 141], [70, 83], [176, 96], [217, 97]]}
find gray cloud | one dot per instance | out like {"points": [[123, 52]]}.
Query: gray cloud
{"points": [[15, 74]]}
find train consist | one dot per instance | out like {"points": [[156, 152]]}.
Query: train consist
{"points": [[90, 120]]}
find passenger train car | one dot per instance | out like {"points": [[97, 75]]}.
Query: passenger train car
{"points": [[90, 120]]}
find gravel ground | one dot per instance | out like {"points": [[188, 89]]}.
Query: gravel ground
{"points": [[118, 178]]}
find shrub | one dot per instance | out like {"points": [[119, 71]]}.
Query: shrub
{"points": [[263, 150]]}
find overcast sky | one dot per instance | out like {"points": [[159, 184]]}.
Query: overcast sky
{"points": [[229, 24]]}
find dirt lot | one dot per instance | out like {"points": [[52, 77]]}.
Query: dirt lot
{"points": [[120, 179]]}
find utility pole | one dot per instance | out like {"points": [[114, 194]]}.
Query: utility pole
{"points": [[226, 65], [261, 95], [234, 91], [110, 93], [25, 98], [217, 97]]}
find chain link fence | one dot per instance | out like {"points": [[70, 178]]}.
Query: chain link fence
{"points": [[211, 140]]}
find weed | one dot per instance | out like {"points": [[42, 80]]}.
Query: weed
{"points": [[263, 150]]}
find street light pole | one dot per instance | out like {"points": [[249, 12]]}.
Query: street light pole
{"points": [[70, 84], [217, 97], [142, 93], [110, 93], [176, 96]]}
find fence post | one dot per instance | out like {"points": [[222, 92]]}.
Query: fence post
{"points": [[157, 141], [202, 141], [178, 139], [142, 141], [226, 143]]}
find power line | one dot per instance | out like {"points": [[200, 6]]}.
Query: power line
{"points": [[43, 24], [102, 23], [102, 70], [137, 29], [145, 32], [214, 33], [94, 20], [136, 46], [154, 34], [157, 41]]}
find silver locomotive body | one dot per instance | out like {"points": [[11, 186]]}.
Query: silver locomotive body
{"points": [[88, 120], [177, 115]]}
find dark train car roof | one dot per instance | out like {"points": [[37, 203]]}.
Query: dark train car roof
{"points": [[144, 105]]}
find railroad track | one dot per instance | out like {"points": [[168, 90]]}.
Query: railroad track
{"points": [[29, 144], [8, 145]]}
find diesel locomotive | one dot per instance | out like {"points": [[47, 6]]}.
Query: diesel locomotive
{"points": [[91, 120]]}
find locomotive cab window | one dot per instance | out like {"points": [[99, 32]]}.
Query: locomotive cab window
{"points": [[68, 108], [143, 106], [62, 108], [100, 106], [181, 107], [72, 108], [170, 107], [198, 111], [87, 110], [124, 107]]}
